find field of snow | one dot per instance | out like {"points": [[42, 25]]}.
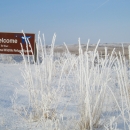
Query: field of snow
{"points": [[65, 92]]}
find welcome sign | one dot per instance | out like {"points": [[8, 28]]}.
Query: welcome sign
{"points": [[10, 43]]}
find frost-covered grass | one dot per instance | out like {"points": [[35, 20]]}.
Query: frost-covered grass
{"points": [[64, 92]]}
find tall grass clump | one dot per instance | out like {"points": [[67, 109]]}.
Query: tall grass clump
{"points": [[65, 91], [123, 84], [40, 87], [94, 75]]}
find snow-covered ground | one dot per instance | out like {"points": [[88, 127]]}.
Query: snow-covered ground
{"points": [[65, 92], [10, 75]]}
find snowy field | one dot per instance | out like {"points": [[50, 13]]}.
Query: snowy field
{"points": [[65, 92]]}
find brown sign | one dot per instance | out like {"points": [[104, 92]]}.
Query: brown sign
{"points": [[10, 43]]}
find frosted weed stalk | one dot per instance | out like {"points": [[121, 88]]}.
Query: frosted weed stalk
{"points": [[83, 80], [94, 75], [40, 87], [123, 84]]}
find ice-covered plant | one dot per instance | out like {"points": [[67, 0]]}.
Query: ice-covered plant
{"points": [[40, 87], [58, 84], [122, 74], [112, 125], [94, 75]]}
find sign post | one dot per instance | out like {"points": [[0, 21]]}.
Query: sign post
{"points": [[35, 52], [129, 54]]}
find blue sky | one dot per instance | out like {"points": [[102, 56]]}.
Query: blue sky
{"points": [[108, 20]]}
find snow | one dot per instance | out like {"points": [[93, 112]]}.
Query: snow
{"points": [[9, 73], [68, 100]]}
